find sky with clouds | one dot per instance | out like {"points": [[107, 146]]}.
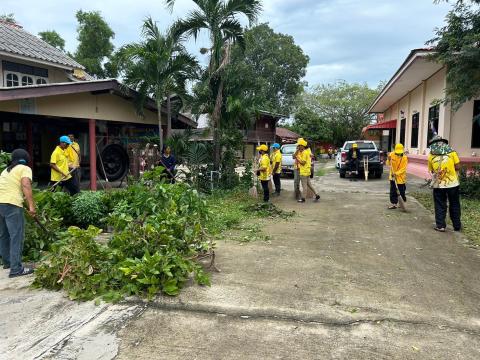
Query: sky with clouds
{"points": [[352, 40]]}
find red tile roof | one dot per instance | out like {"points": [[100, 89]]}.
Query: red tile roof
{"points": [[285, 133]]}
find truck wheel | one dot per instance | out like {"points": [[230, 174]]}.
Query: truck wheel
{"points": [[116, 162], [342, 174]]}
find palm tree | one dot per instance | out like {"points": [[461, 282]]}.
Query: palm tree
{"points": [[158, 67], [220, 18]]}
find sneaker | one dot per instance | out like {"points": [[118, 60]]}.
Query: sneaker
{"points": [[301, 200], [439, 229], [317, 197], [5, 266], [392, 207], [25, 271]]}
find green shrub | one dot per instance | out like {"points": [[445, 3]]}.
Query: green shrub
{"points": [[77, 264], [4, 160], [89, 208], [470, 182], [246, 181], [54, 213], [158, 232], [57, 204]]}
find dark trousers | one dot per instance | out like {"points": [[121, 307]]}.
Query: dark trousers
{"points": [[71, 185], [353, 165], [440, 197], [12, 233], [276, 181], [393, 192], [76, 178], [266, 191]]}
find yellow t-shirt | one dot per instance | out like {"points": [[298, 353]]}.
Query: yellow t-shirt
{"points": [[264, 163], [11, 185], [443, 169], [73, 154], [276, 158], [60, 158], [305, 169], [398, 166], [309, 152]]}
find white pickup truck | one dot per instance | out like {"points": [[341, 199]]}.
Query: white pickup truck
{"points": [[367, 148]]}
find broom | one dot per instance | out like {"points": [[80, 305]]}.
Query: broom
{"points": [[253, 191]]}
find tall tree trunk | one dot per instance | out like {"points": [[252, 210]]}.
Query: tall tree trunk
{"points": [[160, 130], [169, 117], [217, 114]]}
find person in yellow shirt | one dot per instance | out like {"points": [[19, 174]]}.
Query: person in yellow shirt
{"points": [[398, 162], [15, 183], [276, 161], [263, 171], [304, 161], [75, 157], [443, 164], [59, 166]]}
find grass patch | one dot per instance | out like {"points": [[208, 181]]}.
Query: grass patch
{"points": [[234, 210], [470, 214]]}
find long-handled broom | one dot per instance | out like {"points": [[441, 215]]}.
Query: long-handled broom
{"points": [[253, 191]]}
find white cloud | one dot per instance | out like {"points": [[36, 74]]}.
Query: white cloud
{"points": [[345, 39]]}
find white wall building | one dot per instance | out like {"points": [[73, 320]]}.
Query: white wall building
{"points": [[412, 98]]}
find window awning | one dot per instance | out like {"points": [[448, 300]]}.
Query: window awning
{"points": [[384, 125]]}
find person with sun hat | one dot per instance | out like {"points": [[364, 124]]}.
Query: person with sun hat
{"points": [[263, 171]]}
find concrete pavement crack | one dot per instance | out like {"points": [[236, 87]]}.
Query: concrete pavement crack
{"points": [[313, 319]]}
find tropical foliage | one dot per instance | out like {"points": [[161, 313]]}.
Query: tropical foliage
{"points": [[53, 38], [334, 112], [270, 70], [456, 46], [94, 42], [158, 67], [221, 20]]}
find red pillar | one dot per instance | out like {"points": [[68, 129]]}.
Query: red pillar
{"points": [[93, 154], [30, 141]]}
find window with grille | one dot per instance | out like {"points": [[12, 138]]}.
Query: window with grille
{"points": [[433, 118], [12, 80], [27, 80], [403, 124], [415, 126], [41, 81]]}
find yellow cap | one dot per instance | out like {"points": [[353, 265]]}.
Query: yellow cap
{"points": [[399, 149], [355, 145], [302, 142], [262, 147]]}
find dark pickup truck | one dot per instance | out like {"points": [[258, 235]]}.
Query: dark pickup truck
{"points": [[367, 148]]}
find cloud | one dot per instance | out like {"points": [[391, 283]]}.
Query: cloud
{"points": [[362, 41]]}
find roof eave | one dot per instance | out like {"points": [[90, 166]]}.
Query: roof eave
{"points": [[40, 61], [414, 54], [25, 92]]}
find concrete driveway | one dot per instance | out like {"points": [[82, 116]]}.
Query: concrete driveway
{"points": [[343, 279]]}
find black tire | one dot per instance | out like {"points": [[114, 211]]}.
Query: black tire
{"points": [[116, 162], [342, 174]]}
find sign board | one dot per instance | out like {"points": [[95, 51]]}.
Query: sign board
{"points": [[386, 132]]}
